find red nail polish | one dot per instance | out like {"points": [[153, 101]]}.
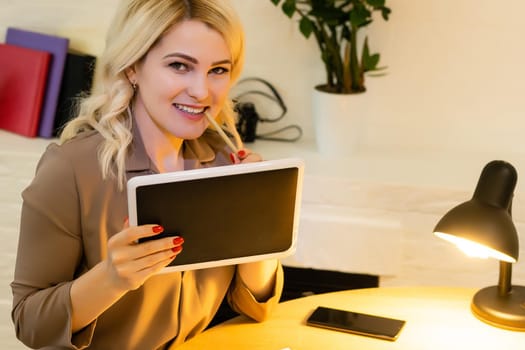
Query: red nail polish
{"points": [[232, 158], [241, 153], [157, 229], [176, 249], [178, 240]]}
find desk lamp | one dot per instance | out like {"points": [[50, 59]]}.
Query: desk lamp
{"points": [[483, 227]]}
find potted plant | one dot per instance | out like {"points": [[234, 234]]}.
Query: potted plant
{"points": [[339, 105], [335, 25]]}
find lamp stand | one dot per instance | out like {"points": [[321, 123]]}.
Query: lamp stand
{"points": [[502, 305]]}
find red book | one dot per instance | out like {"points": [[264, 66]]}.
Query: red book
{"points": [[23, 77]]}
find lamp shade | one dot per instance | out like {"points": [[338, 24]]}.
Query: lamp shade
{"points": [[486, 218]]}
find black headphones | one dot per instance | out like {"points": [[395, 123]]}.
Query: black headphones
{"points": [[248, 116]]}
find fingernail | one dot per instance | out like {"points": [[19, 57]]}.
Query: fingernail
{"points": [[232, 158], [178, 240], [157, 229], [176, 249], [241, 153]]}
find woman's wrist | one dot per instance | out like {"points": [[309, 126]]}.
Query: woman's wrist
{"points": [[91, 294], [259, 277]]}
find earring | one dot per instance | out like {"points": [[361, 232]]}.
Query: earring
{"points": [[134, 85]]}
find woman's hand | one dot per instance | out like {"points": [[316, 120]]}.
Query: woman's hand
{"points": [[129, 264], [244, 156]]}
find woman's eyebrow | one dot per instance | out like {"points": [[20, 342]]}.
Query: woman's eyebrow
{"points": [[181, 55], [222, 62], [194, 60]]}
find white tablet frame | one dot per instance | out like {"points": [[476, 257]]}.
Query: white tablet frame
{"points": [[225, 170]]}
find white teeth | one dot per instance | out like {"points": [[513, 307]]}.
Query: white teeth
{"points": [[189, 109]]}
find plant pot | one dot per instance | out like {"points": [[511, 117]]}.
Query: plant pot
{"points": [[337, 121]]}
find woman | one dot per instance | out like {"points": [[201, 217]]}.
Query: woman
{"points": [[81, 281]]}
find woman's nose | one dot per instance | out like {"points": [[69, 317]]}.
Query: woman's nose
{"points": [[198, 87]]}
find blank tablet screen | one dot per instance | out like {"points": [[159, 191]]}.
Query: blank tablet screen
{"points": [[224, 217]]}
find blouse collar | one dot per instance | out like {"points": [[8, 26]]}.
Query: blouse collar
{"points": [[195, 152]]}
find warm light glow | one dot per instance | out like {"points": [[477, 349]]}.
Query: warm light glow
{"points": [[474, 249]]}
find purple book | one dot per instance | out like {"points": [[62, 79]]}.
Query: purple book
{"points": [[57, 47]]}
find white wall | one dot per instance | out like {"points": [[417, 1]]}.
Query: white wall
{"points": [[455, 73], [455, 67]]}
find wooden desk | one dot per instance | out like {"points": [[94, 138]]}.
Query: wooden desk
{"points": [[437, 318]]}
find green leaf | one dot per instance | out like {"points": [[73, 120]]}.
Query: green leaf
{"points": [[385, 12], [330, 15], [306, 27], [320, 5], [276, 2], [368, 62], [376, 3], [289, 8], [360, 16]]}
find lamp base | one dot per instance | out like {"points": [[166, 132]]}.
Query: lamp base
{"points": [[501, 311]]}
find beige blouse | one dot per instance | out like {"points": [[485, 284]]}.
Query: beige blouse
{"points": [[68, 214]]}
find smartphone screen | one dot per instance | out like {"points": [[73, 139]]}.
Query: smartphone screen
{"points": [[357, 323]]}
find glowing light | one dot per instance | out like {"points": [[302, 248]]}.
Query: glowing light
{"points": [[474, 249]]}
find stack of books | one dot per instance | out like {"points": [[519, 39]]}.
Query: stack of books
{"points": [[40, 79]]}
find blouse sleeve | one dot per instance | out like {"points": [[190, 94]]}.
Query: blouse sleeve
{"points": [[49, 254], [242, 300]]}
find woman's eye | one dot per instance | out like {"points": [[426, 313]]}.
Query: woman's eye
{"points": [[179, 66], [219, 70]]}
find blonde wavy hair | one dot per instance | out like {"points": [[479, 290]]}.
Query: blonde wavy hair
{"points": [[136, 28]]}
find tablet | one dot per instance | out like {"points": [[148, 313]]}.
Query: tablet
{"points": [[227, 215]]}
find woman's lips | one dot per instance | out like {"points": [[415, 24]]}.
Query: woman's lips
{"points": [[190, 112]]}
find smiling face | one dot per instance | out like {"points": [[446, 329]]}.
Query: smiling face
{"points": [[186, 73]]}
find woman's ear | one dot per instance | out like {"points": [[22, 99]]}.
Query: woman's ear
{"points": [[131, 75]]}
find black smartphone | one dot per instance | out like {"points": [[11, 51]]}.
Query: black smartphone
{"points": [[357, 323]]}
